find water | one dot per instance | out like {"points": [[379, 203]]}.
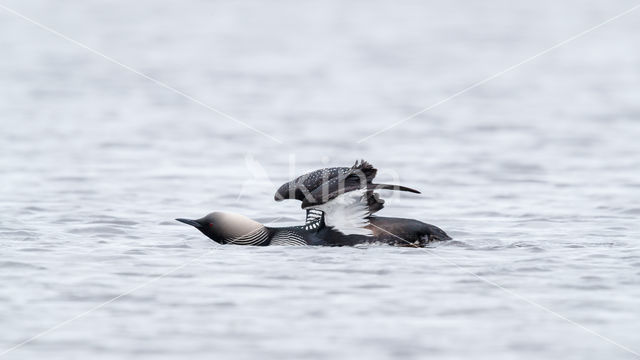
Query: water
{"points": [[535, 175]]}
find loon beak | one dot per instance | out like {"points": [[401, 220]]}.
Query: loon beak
{"points": [[190, 222]]}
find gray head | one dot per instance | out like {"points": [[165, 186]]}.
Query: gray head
{"points": [[229, 228]]}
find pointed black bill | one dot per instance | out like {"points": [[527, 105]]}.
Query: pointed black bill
{"points": [[190, 222]]}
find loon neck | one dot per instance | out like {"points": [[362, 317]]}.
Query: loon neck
{"points": [[258, 236]]}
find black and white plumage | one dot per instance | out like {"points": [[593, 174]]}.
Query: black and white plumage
{"points": [[339, 203], [235, 229], [287, 237], [346, 196], [347, 213], [323, 185]]}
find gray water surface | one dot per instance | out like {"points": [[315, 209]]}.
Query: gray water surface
{"points": [[536, 174]]}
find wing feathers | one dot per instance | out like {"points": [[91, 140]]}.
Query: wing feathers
{"points": [[348, 213], [324, 186]]}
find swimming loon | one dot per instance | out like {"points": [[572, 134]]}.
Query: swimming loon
{"points": [[339, 204], [230, 228]]}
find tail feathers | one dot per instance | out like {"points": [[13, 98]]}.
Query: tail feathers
{"points": [[391, 187]]}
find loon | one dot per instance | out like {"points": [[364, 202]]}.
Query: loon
{"points": [[339, 203]]}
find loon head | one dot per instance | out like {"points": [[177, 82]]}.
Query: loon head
{"points": [[229, 228]]}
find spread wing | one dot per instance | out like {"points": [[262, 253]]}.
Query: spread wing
{"points": [[347, 213], [340, 197], [321, 186]]}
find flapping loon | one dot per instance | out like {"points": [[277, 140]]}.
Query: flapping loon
{"points": [[340, 203]]}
